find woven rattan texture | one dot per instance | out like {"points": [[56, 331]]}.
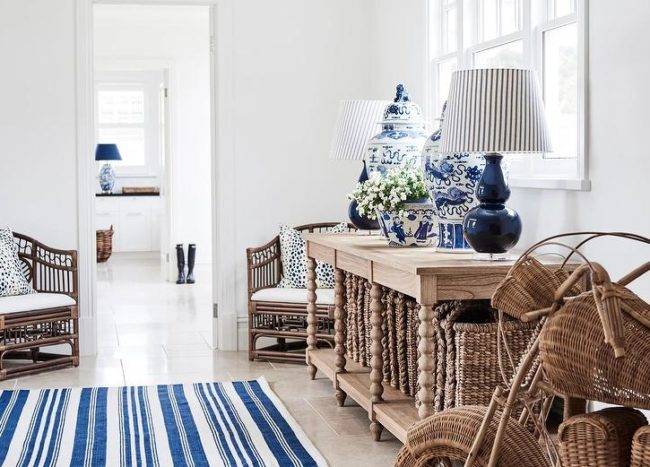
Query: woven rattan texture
{"points": [[641, 447], [449, 435], [577, 361], [599, 439]]}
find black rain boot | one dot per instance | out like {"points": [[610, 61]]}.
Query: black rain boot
{"points": [[191, 256], [180, 262]]}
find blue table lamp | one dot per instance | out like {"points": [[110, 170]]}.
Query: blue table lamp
{"points": [[107, 152], [494, 111]]}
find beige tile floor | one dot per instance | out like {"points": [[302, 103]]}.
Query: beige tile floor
{"points": [[153, 332]]}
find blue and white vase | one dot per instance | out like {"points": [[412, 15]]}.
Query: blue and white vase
{"points": [[416, 228], [402, 136], [106, 178], [451, 180]]}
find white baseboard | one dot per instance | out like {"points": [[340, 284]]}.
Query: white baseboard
{"points": [[87, 335], [242, 332]]}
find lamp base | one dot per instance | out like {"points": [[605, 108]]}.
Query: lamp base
{"points": [[493, 257], [491, 227], [107, 178]]}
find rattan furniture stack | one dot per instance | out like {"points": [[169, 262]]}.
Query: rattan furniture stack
{"points": [[404, 346], [49, 317], [593, 344]]}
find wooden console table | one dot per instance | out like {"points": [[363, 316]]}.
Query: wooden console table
{"points": [[421, 273]]}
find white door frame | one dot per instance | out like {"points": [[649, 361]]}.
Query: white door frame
{"points": [[224, 258]]}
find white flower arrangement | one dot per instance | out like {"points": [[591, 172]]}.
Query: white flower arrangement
{"points": [[389, 193]]}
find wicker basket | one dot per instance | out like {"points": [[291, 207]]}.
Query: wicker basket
{"points": [[599, 439], [472, 357], [641, 447], [104, 244], [449, 436], [529, 286], [579, 361]]}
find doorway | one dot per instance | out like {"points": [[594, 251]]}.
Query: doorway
{"points": [[152, 100]]}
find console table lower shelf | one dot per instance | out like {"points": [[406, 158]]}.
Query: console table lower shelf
{"points": [[396, 412]]}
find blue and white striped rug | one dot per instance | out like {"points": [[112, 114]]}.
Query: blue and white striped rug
{"points": [[238, 423]]}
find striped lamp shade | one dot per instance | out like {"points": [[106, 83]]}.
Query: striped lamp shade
{"points": [[356, 124], [494, 110]]}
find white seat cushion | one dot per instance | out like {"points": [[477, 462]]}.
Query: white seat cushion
{"points": [[34, 301], [280, 294]]}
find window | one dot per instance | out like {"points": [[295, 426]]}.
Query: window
{"points": [[546, 35], [127, 115]]}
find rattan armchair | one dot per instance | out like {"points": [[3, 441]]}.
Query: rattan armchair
{"points": [[52, 273], [281, 320]]}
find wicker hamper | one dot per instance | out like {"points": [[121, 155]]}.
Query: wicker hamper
{"points": [[472, 357], [599, 439], [641, 447], [104, 244]]}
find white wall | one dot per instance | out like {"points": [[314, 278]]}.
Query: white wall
{"points": [[618, 121], [38, 172], [134, 35], [293, 61]]}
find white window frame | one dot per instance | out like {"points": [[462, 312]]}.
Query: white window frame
{"points": [[150, 82], [526, 172]]}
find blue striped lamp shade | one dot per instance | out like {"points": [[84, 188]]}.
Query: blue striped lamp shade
{"points": [[357, 123], [107, 152], [494, 110]]}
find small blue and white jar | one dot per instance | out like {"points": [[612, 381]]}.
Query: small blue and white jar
{"points": [[415, 228], [107, 178], [402, 136], [451, 180]]}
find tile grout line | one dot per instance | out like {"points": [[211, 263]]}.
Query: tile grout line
{"points": [[321, 416]]}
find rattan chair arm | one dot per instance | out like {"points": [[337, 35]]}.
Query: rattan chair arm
{"points": [[263, 273], [258, 249]]}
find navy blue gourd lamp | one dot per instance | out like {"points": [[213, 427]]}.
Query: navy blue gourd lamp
{"points": [[107, 153], [357, 123], [494, 111]]}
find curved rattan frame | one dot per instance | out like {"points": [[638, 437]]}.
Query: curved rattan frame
{"points": [[264, 270]]}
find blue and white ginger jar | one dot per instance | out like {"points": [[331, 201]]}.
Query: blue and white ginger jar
{"points": [[107, 178], [402, 136], [416, 228], [451, 180]]}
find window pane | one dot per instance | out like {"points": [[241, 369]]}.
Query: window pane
{"points": [[449, 27], [130, 142], [564, 7], [488, 12], [509, 16], [445, 69], [561, 89], [508, 55], [120, 106]]}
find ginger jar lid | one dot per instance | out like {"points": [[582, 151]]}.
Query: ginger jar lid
{"points": [[402, 110]]}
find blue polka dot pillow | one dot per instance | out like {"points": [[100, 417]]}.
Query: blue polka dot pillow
{"points": [[12, 280], [293, 249]]}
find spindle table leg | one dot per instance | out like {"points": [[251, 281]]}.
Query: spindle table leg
{"points": [[425, 362], [376, 354], [311, 313], [339, 331]]}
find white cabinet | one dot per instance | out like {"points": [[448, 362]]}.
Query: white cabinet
{"points": [[135, 220]]}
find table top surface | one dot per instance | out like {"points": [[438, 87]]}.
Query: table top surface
{"points": [[416, 260]]}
